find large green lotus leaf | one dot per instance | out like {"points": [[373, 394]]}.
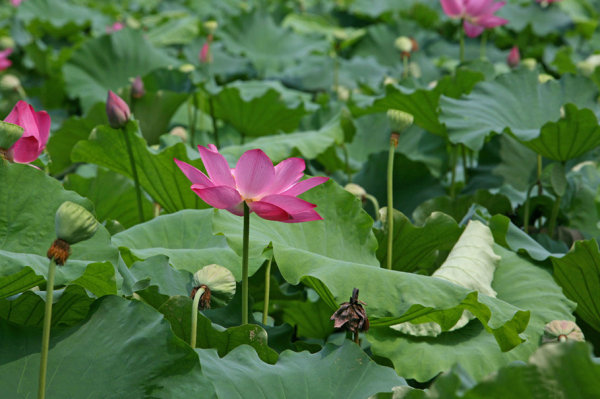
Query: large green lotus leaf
{"points": [[306, 144], [459, 206], [517, 282], [72, 130], [113, 194], [334, 372], [70, 306], [175, 31], [578, 273], [108, 62], [67, 17], [417, 248], [30, 201], [413, 183], [186, 238], [375, 8], [543, 20], [575, 134], [423, 104], [580, 201], [309, 319], [269, 47], [261, 108], [178, 311], [20, 281], [224, 64], [516, 101], [564, 370], [159, 176], [337, 254], [124, 349]]}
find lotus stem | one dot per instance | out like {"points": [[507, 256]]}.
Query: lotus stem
{"points": [[246, 238], [463, 153], [554, 216], [461, 55], [483, 47], [46, 331], [192, 118], [404, 66], [453, 174], [194, 328], [375, 205], [136, 180], [267, 291], [347, 163], [211, 108], [539, 175], [527, 209], [390, 197]]}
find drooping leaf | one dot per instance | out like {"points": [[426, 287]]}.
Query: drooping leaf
{"points": [[578, 273], [159, 175], [340, 372], [20, 281]]}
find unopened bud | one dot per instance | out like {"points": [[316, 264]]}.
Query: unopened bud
{"points": [[399, 120], [187, 68], [73, 223], [514, 57], [218, 284], [117, 111], [529, 63], [211, 26], [9, 82], [544, 77], [403, 44], [356, 190], [137, 88], [205, 56]]}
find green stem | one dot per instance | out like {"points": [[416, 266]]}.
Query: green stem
{"points": [[136, 180], [245, 264], [539, 175], [46, 331], [193, 330], [347, 163], [336, 78], [554, 216], [463, 153], [404, 66], [453, 175], [213, 118], [482, 49], [375, 204], [192, 118], [462, 42], [527, 211], [267, 291], [390, 203]]}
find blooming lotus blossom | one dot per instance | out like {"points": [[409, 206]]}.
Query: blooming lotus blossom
{"points": [[4, 61], [117, 111], [477, 15], [117, 26], [514, 57], [269, 191], [35, 136]]}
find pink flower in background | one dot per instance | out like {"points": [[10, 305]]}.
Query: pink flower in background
{"points": [[117, 111], [205, 55], [269, 191], [514, 57], [137, 88], [477, 15], [117, 26], [16, 3], [35, 136], [4, 61]]}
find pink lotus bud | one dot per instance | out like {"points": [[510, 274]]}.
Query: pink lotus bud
{"points": [[137, 88], [117, 111], [117, 26], [36, 127], [205, 56], [4, 61], [514, 57]]}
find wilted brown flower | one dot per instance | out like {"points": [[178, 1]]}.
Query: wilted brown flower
{"points": [[351, 316], [204, 298]]}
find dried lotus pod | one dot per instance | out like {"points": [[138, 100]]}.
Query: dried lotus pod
{"points": [[562, 330], [218, 284]]}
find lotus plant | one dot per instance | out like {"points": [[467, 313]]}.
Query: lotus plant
{"points": [[514, 57], [36, 130], [476, 16], [254, 185], [4, 61]]}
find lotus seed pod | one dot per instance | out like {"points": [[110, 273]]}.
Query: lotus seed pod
{"points": [[7, 42], [187, 68], [562, 330], [529, 63], [544, 77], [399, 120], [389, 81], [9, 82], [211, 26], [403, 44], [74, 223], [218, 282], [356, 190], [179, 132]]}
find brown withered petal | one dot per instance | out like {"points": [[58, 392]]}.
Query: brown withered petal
{"points": [[59, 251], [351, 315], [204, 299]]}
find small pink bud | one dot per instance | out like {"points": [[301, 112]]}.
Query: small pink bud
{"points": [[4, 61], [137, 88], [514, 57], [117, 111], [205, 56], [117, 26]]}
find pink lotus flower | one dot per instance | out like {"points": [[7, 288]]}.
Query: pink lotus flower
{"points": [[477, 15], [4, 61], [205, 55], [117, 111], [16, 3], [137, 88], [514, 57], [269, 191], [35, 136], [117, 26]]}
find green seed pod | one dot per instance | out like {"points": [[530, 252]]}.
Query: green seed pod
{"points": [[399, 120], [356, 190], [403, 44], [74, 223], [211, 26], [562, 330], [218, 282]]}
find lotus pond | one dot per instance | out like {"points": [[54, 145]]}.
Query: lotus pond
{"points": [[299, 199]]}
